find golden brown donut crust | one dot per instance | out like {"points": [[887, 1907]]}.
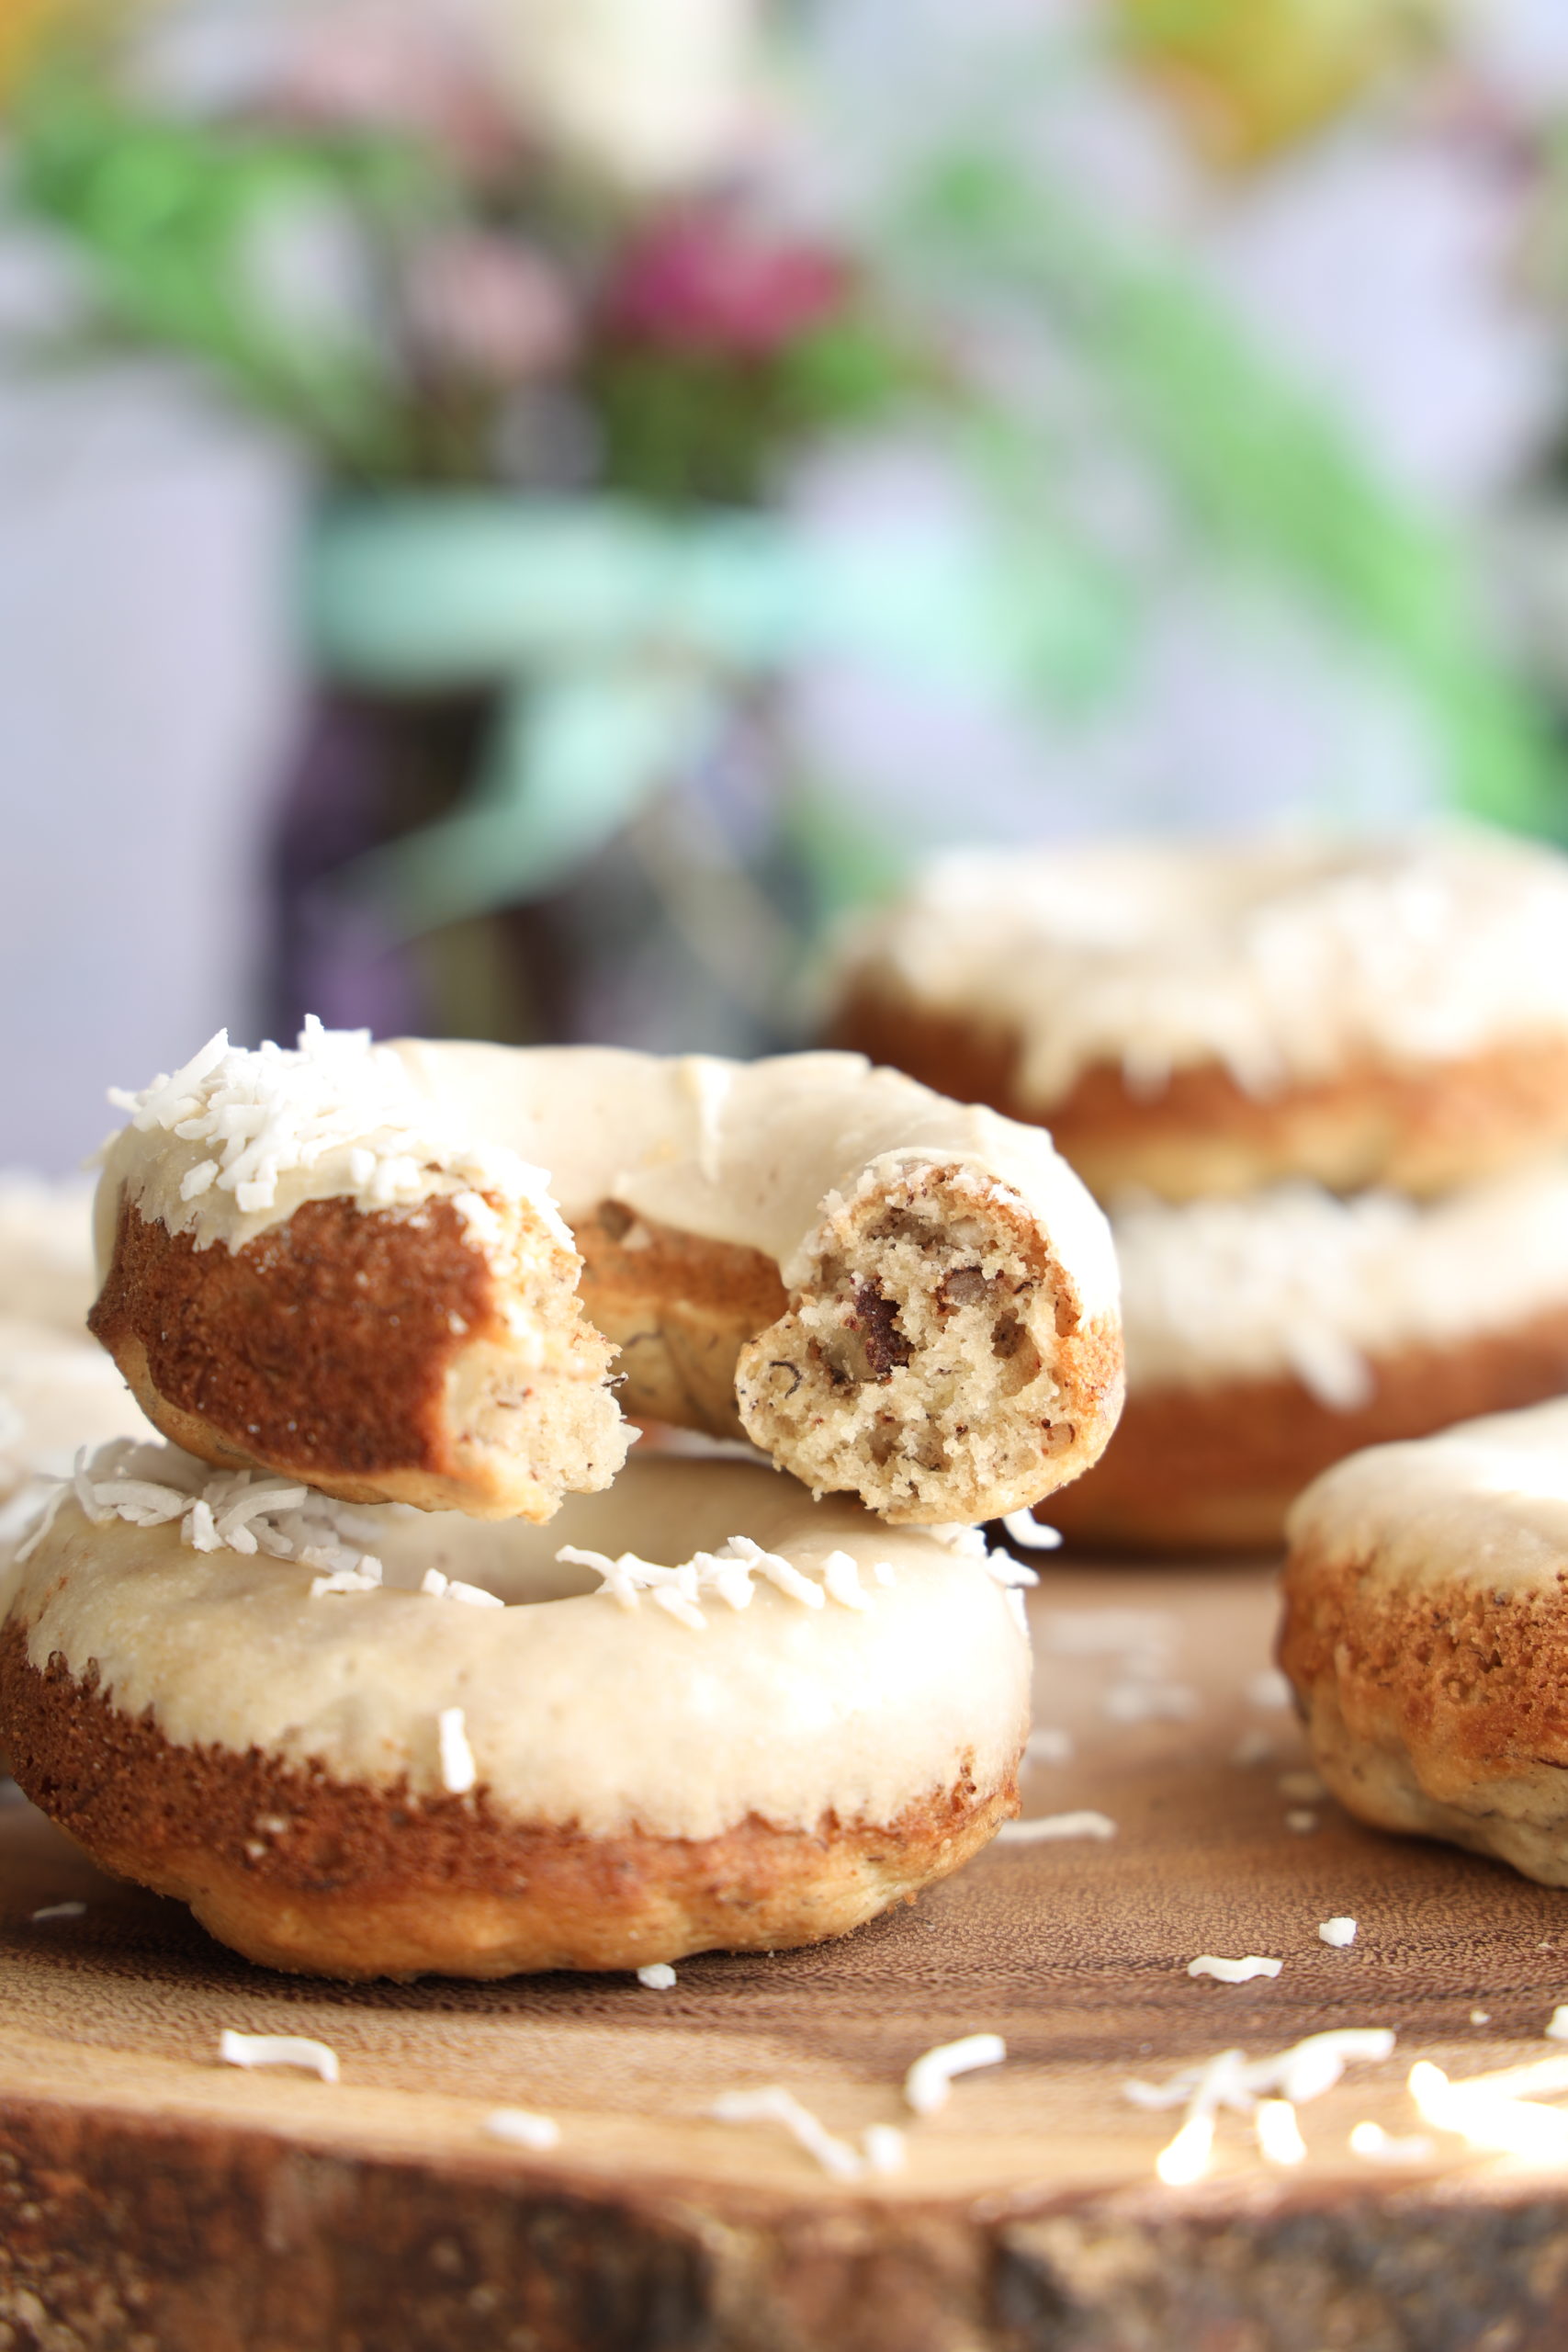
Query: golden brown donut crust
{"points": [[327, 1338], [332, 1348], [1216, 1469], [1443, 1713], [231, 1354], [1422, 1128], [300, 1872]]}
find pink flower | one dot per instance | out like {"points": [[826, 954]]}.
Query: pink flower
{"points": [[698, 281], [489, 306]]}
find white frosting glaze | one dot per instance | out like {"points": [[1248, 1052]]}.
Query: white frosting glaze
{"points": [[1295, 1280], [1284, 960], [1486, 1502], [575, 1709], [736, 1152]]}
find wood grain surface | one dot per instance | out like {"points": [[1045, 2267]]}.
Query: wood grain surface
{"points": [[152, 2198]]}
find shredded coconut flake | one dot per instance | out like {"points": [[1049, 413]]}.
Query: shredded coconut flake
{"points": [[1049, 1827], [336, 1104], [884, 2148], [1187, 2158], [1488, 2114], [1031, 1532], [725, 1575], [1341, 1931], [458, 1771], [1234, 1971], [1380, 2147], [277, 2050], [58, 1911], [657, 1977], [1557, 2023], [1287, 2080], [235, 1510], [928, 2085], [1279, 2133], [774, 2104], [521, 2128]]}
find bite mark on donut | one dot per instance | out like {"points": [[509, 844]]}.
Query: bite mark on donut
{"points": [[934, 1357], [372, 1352]]}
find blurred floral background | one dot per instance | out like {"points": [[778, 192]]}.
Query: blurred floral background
{"points": [[518, 514]]}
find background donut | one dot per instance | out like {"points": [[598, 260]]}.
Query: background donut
{"points": [[1198, 1019]]}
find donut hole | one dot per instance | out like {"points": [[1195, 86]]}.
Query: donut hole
{"points": [[911, 1367], [656, 1510]]}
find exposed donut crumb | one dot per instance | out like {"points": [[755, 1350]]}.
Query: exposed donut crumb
{"points": [[919, 1362]]}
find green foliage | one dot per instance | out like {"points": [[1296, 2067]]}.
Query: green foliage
{"points": [[1255, 469], [192, 239]]}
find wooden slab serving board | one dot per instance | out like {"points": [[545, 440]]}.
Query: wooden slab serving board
{"points": [[153, 2200]]}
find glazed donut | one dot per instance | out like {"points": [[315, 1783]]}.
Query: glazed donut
{"points": [[334, 1264], [1201, 1019], [1268, 1337], [354, 1767], [1426, 1633]]}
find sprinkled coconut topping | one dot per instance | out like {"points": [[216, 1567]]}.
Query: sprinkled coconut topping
{"points": [[1288, 2080], [1279, 2134], [1049, 1829], [442, 1588], [658, 1975], [725, 1575], [1491, 2113], [1339, 1931], [277, 2050], [1025, 1528], [337, 1105], [458, 1771], [218, 1510], [1234, 1971], [927, 2085], [1377, 2146], [774, 2104], [522, 2129]]}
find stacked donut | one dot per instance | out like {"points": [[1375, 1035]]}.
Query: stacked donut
{"points": [[1324, 1087], [384, 1662]]}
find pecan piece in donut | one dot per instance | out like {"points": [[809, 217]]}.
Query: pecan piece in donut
{"points": [[935, 1358]]}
